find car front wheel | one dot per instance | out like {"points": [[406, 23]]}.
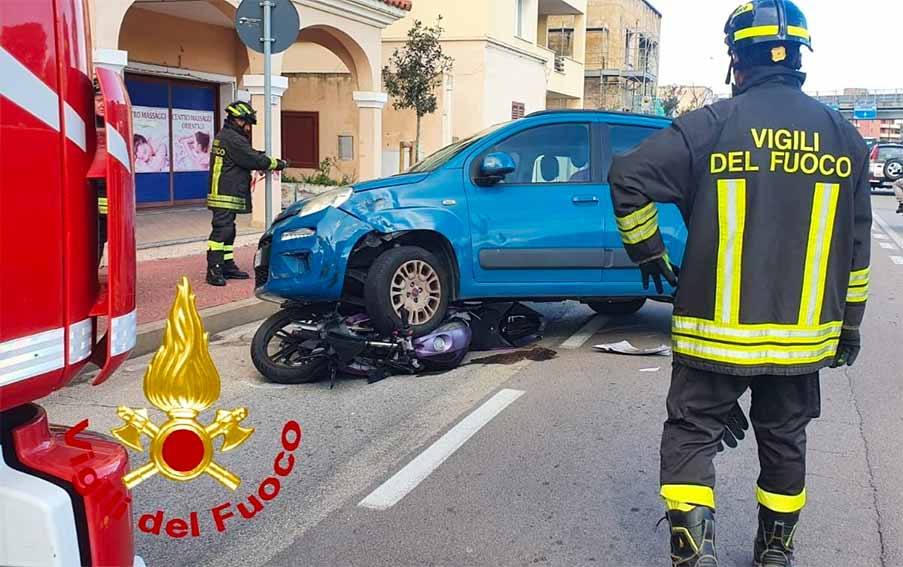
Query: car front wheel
{"points": [[407, 279]]}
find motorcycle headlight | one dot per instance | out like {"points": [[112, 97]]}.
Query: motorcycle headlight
{"points": [[331, 198]]}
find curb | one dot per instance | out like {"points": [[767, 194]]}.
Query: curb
{"points": [[216, 320]]}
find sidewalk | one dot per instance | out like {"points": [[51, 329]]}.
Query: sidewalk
{"points": [[221, 307], [172, 243]]}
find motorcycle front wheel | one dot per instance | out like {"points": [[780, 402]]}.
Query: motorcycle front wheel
{"points": [[283, 353]]}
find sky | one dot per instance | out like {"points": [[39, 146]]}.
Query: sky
{"points": [[857, 44]]}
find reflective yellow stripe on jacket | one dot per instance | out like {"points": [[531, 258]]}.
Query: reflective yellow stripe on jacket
{"points": [[639, 225], [214, 199], [858, 291], [102, 205], [821, 230]]}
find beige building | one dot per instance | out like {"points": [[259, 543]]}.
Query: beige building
{"points": [[503, 69], [622, 55], [183, 64]]}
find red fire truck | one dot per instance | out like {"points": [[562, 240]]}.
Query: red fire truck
{"points": [[62, 501]]}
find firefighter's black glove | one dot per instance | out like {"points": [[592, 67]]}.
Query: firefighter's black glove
{"points": [[735, 428], [848, 349], [656, 270], [281, 164]]}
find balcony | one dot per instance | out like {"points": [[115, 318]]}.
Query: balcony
{"points": [[565, 75], [562, 7]]}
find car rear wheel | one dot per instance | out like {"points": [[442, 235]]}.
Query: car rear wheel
{"points": [[409, 279], [617, 306], [283, 353]]}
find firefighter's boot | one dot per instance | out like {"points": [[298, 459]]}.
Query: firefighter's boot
{"points": [[215, 275], [231, 271], [774, 540], [693, 537]]}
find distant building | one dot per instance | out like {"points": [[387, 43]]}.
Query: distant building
{"points": [[622, 54], [880, 130]]}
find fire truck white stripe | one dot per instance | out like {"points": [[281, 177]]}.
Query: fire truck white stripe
{"points": [[25, 357], [25, 89], [75, 127], [80, 340], [123, 332], [116, 147]]}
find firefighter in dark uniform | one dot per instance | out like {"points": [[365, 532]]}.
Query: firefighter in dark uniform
{"points": [[97, 173], [233, 159], [773, 187]]}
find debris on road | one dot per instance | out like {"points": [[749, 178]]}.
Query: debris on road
{"points": [[656, 369], [624, 347]]}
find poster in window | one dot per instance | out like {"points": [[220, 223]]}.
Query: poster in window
{"points": [[192, 137], [151, 139]]}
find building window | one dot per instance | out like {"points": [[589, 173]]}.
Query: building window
{"points": [[519, 14], [561, 41], [346, 148], [301, 139], [518, 110]]}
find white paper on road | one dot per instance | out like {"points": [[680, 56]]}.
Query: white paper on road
{"points": [[656, 369], [624, 347]]}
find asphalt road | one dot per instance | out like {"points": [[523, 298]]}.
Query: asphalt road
{"points": [[564, 473]]}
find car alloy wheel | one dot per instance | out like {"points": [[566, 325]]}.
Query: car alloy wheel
{"points": [[417, 288]]}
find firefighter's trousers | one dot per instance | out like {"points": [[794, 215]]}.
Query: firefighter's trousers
{"points": [[698, 404], [221, 244]]}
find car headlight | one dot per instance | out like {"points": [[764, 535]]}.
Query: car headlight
{"points": [[331, 198]]}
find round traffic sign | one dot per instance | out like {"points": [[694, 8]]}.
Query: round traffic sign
{"points": [[286, 23]]}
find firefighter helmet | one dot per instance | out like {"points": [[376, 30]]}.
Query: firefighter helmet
{"points": [[765, 21], [242, 110]]}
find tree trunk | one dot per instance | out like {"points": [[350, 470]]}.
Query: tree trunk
{"points": [[417, 141]]}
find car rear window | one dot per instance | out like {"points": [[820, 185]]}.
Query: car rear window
{"points": [[889, 152]]}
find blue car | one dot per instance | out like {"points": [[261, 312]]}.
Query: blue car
{"points": [[521, 210]]}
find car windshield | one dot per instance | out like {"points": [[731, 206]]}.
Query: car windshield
{"points": [[440, 158], [889, 152]]}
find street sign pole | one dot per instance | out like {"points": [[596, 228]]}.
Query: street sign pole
{"points": [[268, 100], [268, 27]]}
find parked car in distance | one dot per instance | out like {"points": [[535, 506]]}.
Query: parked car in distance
{"points": [[880, 179], [521, 210]]}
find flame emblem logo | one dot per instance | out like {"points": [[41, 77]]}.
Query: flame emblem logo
{"points": [[182, 381]]}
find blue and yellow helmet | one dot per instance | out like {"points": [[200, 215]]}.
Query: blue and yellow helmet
{"points": [[243, 111], [765, 21]]}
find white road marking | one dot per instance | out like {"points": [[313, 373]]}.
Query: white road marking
{"points": [[585, 333], [886, 228], [879, 236], [898, 260], [404, 481], [887, 246]]}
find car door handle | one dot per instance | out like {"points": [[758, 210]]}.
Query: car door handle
{"points": [[585, 200]]}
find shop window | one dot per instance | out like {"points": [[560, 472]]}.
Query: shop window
{"points": [[346, 148], [301, 139]]}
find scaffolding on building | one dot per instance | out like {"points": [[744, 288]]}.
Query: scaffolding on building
{"points": [[627, 66]]}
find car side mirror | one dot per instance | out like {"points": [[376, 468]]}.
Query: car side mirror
{"points": [[495, 167]]}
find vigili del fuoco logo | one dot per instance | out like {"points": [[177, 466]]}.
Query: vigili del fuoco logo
{"points": [[182, 381]]}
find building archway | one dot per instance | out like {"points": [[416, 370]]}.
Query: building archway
{"points": [[329, 72]]}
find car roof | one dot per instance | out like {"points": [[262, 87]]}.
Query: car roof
{"points": [[598, 113]]}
